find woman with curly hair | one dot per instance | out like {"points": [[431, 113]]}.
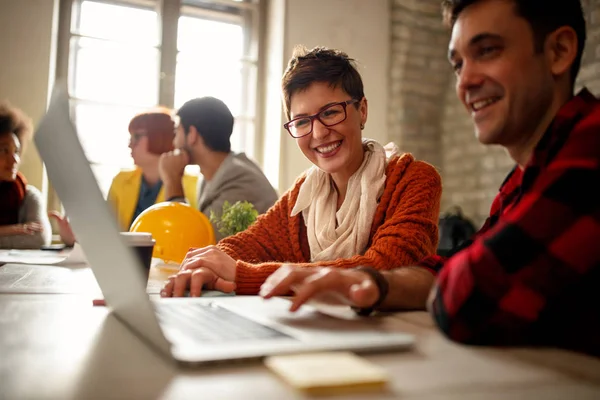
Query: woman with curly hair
{"points": [[23, 220]]}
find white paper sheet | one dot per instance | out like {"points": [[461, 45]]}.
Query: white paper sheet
{"points": [[44, 257]]}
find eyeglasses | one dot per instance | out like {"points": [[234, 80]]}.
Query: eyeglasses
{"points": [[330, 116], [136, 137]]}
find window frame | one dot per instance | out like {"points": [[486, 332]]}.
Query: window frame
{"points": [[248, 13]]}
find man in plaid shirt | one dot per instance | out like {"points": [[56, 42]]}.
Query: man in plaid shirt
{"points": [[529, 276]]}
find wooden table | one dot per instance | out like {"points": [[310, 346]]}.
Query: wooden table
{"points": [[58, 346], [66, 279]]}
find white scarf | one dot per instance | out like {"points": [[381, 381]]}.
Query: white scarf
{"points": [[344, 233]]}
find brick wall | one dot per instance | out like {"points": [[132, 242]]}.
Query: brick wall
{"points": [[419, 77], [589, 74], [431, 123]]}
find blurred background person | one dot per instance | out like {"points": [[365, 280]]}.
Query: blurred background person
{"points": [[203, 138], [132, 191], [23, 220]]}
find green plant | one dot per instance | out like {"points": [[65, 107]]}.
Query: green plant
{"points": [[235, 217]]}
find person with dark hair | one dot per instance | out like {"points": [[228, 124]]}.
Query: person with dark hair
{"points": [[134, 190], [360, 208], [203, 138], [23, 220], [530, 275]]}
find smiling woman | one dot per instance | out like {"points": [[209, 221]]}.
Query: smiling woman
{"points": [[361, 204], [23, 222]]}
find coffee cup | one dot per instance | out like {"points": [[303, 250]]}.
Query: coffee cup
{"points": [[143, 246]]}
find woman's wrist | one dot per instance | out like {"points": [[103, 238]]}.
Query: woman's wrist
{"points": [[5, 230], [14, 229]]}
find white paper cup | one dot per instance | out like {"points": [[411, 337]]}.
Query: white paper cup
{"points": [[143, 245]]}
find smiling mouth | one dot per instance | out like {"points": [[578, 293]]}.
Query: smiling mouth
{"points": [[481, 104], [328, 148]]}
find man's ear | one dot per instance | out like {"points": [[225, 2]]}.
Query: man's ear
{"points": [[193, 136], [561, 47]]}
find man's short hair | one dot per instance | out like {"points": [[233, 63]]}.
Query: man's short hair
{"points": [[544, 17], [211, 118]]}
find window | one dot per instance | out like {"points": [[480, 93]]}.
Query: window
{"points": [[121, 63]]}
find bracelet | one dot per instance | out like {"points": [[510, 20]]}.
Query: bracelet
{"points": [[382, 285]]}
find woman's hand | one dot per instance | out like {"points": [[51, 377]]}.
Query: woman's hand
{"points": [[327, 285], [207, 267], [64, 228], [28, 228]]}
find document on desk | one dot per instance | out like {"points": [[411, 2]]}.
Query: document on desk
{"points": [[43, 257], [55, 279]]}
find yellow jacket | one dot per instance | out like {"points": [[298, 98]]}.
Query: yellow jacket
{"points": [[125, 190]]}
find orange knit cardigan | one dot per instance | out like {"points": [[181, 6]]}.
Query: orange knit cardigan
{"points": [[404, 229]]}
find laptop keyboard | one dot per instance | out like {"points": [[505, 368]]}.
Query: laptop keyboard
{"points": [[211, 323]]}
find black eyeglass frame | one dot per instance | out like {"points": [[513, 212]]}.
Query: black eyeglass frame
{"points": [[312, 118]]}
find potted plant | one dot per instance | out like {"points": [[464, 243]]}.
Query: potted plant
{"points": [[235, 217]]}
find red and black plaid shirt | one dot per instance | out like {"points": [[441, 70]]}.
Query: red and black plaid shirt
{"points": [[531, 275]]}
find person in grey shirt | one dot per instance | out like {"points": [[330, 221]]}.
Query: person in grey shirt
{"points": [[202, 137], [23, 220]]}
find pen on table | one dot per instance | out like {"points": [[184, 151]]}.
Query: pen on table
{"points": [[98, 302]]}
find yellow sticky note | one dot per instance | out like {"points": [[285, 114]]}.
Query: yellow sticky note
{"points": [[328, 373]]}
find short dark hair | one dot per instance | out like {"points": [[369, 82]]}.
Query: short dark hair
{"points": [[211, 118], [13, 120], [544, 17], [320, 65]]}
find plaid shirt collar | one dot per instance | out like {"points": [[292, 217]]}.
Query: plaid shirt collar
{"points": [[552, 141]]}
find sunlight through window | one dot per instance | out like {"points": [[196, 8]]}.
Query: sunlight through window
{"points": [[114, 73]]}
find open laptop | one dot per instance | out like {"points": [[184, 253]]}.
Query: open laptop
{"points": [[189, 330]]}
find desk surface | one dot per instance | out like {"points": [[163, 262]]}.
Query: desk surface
{"points": [[65, 279], [57, 346]]}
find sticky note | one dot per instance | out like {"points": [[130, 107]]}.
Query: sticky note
{"points": [[328, 372]]}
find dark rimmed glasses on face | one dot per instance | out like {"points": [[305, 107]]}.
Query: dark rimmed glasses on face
{"points": [[136, 137], [329, 116]]}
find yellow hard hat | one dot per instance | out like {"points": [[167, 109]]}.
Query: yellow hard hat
{"points": [[175, 227]]}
